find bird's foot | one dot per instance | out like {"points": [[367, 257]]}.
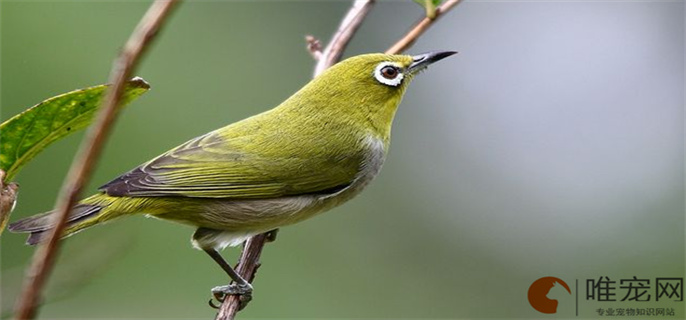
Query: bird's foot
{"points": [[220, 292], [244, 291]]}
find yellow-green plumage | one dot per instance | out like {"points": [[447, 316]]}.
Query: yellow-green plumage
{"points": [[314, 151]]}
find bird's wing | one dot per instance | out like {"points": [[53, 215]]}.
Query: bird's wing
{"points": [[213, 166]]}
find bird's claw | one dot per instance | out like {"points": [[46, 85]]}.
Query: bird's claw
{"points": [[220, 292], [212, 305], [243, 290]]}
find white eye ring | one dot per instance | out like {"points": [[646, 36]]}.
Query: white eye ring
{"points": [[393, 81]]}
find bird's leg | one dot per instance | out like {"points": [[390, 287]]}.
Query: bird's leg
{"points": [[239, 286]]}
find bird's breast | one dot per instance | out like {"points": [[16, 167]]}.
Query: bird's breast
{"points": [[374, 151], [306, 206], [374, 157]]}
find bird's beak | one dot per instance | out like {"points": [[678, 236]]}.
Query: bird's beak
{"points": [[421, 61]]}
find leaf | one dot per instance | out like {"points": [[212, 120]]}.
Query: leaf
{"points": [[25, 135]]}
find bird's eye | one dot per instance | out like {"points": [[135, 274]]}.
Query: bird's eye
{"points": [[388, 73]]}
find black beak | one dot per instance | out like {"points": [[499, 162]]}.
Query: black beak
{"points": [[423, 60]]}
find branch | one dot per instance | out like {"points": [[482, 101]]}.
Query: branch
{"points": [[247, 268], [405, 42], [44, 257], [352, 21]]}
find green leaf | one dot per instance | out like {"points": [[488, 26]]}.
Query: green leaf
{"points": [[25, 135]]}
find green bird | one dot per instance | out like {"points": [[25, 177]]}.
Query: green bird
{"points": [[314, 151]]}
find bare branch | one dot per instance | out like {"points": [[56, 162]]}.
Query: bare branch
{"points": [[44, 257], [352, 21], [405, 42], [247, 267], [314, 47]]}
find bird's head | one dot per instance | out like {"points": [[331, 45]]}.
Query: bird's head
{"points": [[366, 89]]}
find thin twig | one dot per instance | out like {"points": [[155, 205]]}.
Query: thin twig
{"points": [[352, 21], [405, 42], [79, 173], [247, 268]]}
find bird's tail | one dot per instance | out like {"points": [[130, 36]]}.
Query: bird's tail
{"points": [[88, 212]]}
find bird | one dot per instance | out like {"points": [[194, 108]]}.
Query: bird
{"points": [[316, 150]]}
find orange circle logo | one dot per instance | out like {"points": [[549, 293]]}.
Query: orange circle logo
{"points": [[538, 294]]}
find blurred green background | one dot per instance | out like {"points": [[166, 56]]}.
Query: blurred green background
{"points": [[552, 145]]}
